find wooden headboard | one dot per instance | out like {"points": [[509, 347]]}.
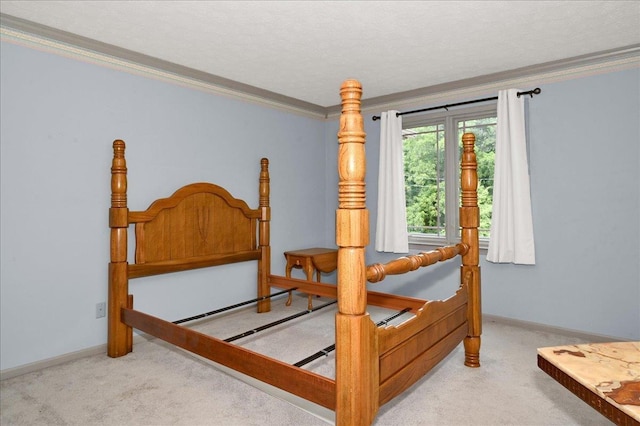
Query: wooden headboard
{"points": [[200, 225]]}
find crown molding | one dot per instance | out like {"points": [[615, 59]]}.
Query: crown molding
{"points": [[487, 85], [42, 37]]}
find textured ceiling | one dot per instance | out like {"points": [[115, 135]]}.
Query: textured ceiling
{"points": [[305, 49]]}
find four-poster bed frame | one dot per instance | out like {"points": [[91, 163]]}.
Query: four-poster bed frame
{"points": [[203, 225]]}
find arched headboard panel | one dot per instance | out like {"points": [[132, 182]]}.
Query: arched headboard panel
{"points": [[198, 220]]}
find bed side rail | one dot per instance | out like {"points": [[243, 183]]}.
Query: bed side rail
{"points": [[305, 384], [378, 271]]}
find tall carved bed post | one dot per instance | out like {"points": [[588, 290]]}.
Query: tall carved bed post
{"points": [[120, 339], [357, 373], [469, 221], [264, 264]]}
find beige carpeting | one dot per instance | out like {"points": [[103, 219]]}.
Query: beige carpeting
{"points": [[159, 384]]}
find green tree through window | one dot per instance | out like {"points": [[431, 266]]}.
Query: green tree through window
{"points": [[432, 179], [424, 166]]}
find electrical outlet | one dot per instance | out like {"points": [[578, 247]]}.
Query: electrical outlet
{"points": [[101, 309]]}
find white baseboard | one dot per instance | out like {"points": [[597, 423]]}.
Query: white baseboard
{"points": [[9, 373], [51, 362], [587, 337]]}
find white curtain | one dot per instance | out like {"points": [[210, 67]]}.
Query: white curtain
{"points": [[511, 238], [391, 226]]}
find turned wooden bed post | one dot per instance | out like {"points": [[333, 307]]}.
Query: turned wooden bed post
{"points": [[357, 372], [264, 263], [120, 336], [470, 221]]}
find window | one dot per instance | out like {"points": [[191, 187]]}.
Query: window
{"points": [[432, 146]]}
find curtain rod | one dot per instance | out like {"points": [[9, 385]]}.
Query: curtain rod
{"points": [[535, 91]]}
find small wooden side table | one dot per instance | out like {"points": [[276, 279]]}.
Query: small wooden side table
{"points": [[311, 260]]}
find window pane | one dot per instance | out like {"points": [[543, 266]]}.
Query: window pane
{"points": [[485, 131], [425, 179], [429, 187]]}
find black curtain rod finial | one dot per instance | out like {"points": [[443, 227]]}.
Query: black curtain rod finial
{"points": [[535, 91]]}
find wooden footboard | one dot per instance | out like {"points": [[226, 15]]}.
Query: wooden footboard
{"points": [[407, 352], [373, 365]]}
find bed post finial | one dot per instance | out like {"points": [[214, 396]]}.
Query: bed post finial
{"points": [[264, 264], [118, 176], [120, 335], [357, 373], [351, 155], [469, 222]]}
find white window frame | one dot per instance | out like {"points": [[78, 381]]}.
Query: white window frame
{"points": [[450, 119]]}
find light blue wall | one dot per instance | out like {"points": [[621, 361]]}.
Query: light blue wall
{"points": [[585, 186], [584, 137], [59, 118]]}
